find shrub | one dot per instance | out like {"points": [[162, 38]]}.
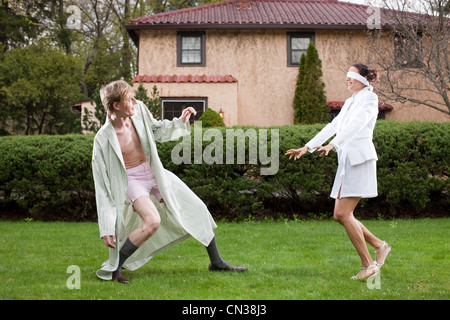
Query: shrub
{"points": [[413, 166], [49, 177], [412, 172], [211, 118], [153, 103]]}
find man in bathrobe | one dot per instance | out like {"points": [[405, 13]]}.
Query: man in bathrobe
{"points": [[143, 208]]}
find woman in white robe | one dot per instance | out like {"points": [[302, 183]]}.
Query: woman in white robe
{"points": [[356, 176]]}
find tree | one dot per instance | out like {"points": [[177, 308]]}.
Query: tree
{"points": [[19, 23], [153, 103], [309, 99], [98, 39], [298, 115], [38, 84], [417, 70]]}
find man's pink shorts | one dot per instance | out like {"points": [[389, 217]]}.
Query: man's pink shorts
{"points": [[142, 182]]}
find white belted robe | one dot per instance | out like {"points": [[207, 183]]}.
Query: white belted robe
{"points": [[183, 213]]}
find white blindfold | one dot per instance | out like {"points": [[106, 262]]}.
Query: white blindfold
{"points": [[358, 77]]}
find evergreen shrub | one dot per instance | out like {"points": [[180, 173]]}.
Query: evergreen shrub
{"points": [[309, 99], [49, 177], [211, 118]]}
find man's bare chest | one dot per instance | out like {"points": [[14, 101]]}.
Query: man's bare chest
{"points": [[129, 140]]}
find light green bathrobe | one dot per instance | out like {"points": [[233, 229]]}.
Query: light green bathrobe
{"points": [[182, 213]]}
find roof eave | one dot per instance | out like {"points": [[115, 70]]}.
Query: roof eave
{"points": [[133, 35], [131, 27]]}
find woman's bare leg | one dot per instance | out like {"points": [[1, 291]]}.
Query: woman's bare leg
{"points": [[343, 213], [370, 238]]}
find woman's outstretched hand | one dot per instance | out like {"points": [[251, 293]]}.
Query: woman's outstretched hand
{"points": [[325, 149], [296, 153]]}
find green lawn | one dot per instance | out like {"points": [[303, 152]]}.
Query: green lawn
{"points": [[286, 260]]}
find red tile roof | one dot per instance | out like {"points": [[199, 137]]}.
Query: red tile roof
{"points": [[337, 105], [184, 78], [318, 14]]}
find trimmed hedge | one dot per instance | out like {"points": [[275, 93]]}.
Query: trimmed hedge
{"points": [[49, 177]]}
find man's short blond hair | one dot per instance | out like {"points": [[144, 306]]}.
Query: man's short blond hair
{"points": [[116, 91]]}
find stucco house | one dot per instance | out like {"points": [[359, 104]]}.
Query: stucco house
{"points": [[241, 56]]}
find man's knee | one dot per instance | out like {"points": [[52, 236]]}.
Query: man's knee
{"points": [[151, 227]]}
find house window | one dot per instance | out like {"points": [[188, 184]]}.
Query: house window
{"points": [[407, 51], [297, 44], [191, 49], [173, 106]]}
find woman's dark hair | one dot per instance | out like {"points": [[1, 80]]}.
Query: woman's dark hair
{"points": [[365, 71]]}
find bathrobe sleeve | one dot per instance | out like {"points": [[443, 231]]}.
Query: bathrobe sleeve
{"points": [[106, 207], [166, 130]]}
